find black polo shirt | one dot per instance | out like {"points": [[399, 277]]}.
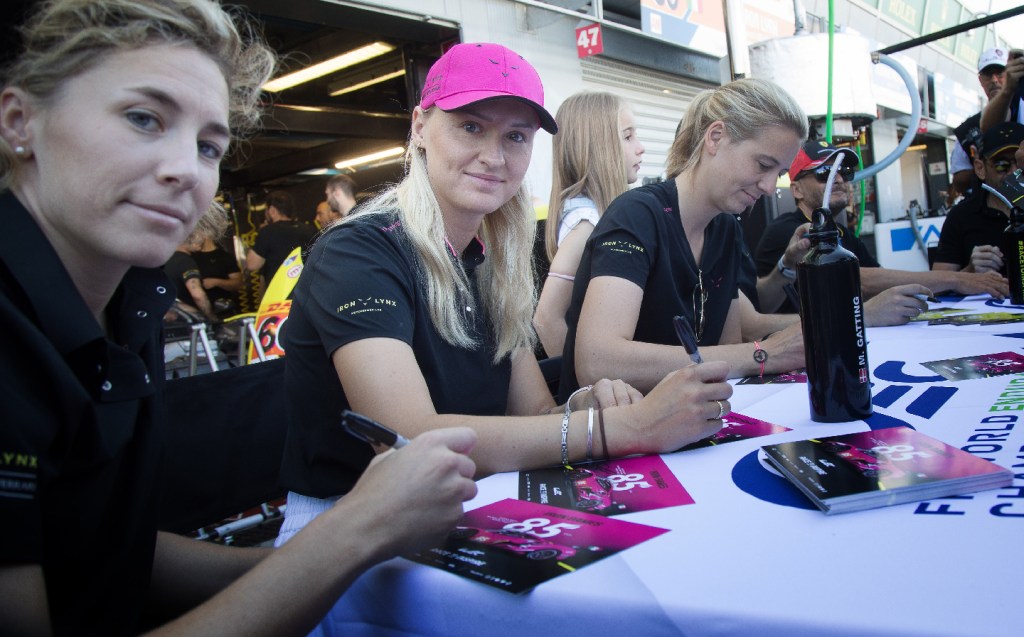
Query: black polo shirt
{"points": [[775, 240], [79, 439], [969, 224], [640, 238], [361, 280]]}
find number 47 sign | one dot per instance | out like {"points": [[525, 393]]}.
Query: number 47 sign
{"points": [[589, 40]]}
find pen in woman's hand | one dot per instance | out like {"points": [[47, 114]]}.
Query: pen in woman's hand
{"points": [[687, 338], [371, 431]]}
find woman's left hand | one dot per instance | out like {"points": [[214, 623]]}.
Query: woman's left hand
{"points": [[609, 393]]}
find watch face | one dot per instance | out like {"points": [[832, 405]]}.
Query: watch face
{"points": [[760, 355]]}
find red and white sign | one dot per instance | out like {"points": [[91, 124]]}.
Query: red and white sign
{"points": [[589, 40]]}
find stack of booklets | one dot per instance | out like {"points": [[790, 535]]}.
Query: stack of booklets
{"points": [[870, 469]]}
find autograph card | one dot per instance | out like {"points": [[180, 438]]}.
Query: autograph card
{"points": [[610, 487], [774, 379], [735, 427], [983, 366], [515, 545], [937, 314], [986, 318]]}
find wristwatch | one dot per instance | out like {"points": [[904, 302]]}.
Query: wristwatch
{"points": [[789, 273]]}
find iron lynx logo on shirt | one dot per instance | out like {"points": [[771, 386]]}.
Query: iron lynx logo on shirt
{"points": [[369, 304], [623, 246], [18, 475]]}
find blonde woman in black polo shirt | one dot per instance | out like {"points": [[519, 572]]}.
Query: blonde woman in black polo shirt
{"points": [[113, 123], [675, 248]]}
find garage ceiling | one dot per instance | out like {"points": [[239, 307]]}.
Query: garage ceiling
{"points": [[306, 128]]}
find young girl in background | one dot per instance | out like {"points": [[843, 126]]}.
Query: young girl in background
{"points": [[596, 155]]}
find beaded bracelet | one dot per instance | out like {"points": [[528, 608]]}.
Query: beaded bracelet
{"points": [[760, 356], [565, 423]]}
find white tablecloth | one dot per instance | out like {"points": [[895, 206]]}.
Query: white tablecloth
{"points": [[750, 557]]}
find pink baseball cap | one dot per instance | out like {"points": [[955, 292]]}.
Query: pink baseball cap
{"points": [[472, 72]]}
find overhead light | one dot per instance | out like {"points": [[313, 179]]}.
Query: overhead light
{"points": [[382, 70], [327, 67], [370, 82], [305, 109], [370, 158]]}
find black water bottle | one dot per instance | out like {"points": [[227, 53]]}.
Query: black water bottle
{"points": [[832, 317], [1013, 236]]}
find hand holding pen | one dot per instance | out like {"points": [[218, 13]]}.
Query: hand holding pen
{"points": [[687, 337]]}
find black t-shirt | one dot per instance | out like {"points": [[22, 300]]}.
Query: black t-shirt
{"points": [[968, 134], [969, 224], [776, 238], [216, 264], [79, 432], [276, 241], [180, 268], [361, 280], [640, 238]]}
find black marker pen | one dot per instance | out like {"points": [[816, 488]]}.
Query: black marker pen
{"points": [[684, 331], [371, 431]]}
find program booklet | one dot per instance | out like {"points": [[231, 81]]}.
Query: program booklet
{"points": [[870, 469], [983, 366], [515, 545]]}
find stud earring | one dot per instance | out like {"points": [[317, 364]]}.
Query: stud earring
{"points": [[19, 151]]}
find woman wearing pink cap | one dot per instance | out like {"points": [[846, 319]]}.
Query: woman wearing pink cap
{"points": [[416, 310]]}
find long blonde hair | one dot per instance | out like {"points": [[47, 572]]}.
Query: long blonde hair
{"points": [[505, 279], [586, 156], [747, 106]]}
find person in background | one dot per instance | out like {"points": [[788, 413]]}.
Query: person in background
{"points": [[114, 119], [675, 248], [991, 75], [325, 215], [341, 194], [1005, 105], [597, 154], [282, 234], [221, 275], [183, 270], [973, 230], [784, 243], [417, 310]]}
